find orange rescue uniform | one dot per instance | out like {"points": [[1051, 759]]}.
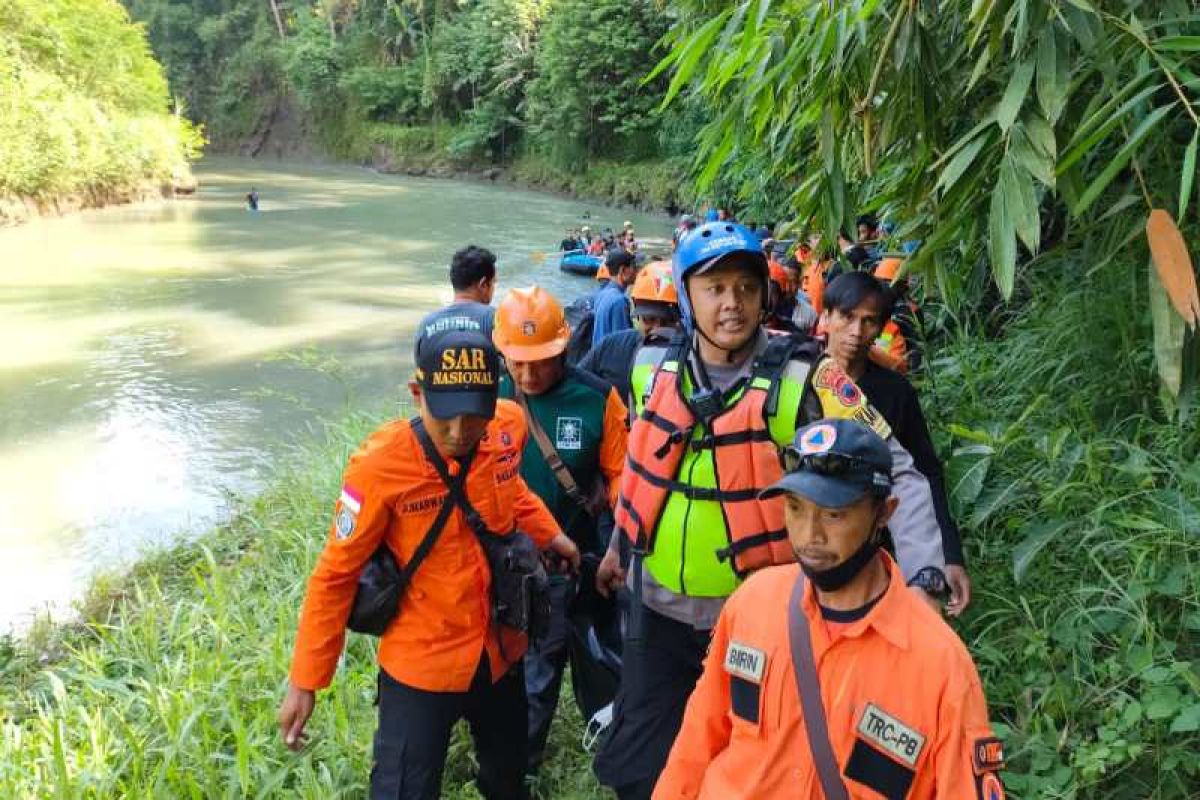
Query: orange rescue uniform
{"points": [[444, 623], [902, 699]]}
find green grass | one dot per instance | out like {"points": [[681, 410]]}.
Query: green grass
{"points": [[1077, 493], [169, 686]]}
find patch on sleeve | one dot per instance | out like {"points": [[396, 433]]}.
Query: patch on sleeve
{"points": [[891, 735], [351, 498], [868, 415], [990, 787], [745, 662], [349, 504], [832, 382], [987, 755]]}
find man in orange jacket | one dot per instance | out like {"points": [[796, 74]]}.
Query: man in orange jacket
{"points": [[442, 657], [826, 679]]}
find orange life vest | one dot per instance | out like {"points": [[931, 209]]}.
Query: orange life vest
{"points": [[746, 459]]}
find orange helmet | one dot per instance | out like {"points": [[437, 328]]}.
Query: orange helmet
{"points": [[530, 325], [603, 274], [654, 284]]}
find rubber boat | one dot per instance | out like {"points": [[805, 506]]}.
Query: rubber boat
{"points": [[578, 262]]}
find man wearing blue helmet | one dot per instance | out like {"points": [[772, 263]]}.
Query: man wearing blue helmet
{"points": [[714, 408]]}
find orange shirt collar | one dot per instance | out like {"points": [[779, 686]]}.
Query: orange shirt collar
{"points": [[889, 616]]}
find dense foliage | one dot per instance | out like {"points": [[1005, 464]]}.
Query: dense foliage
{"points": [[980, 127], [500, 77], [83, 104]]}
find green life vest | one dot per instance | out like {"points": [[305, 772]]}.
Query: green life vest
{"points": [[691, 536]]}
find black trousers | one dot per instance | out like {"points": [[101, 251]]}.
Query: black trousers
{"points": [[660, 672], [414, 735], [594, 683]]}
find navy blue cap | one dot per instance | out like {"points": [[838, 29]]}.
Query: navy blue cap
{"points": [[459, 373], [835, 462]]}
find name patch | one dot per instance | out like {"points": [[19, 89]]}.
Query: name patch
{"points": [[423, 504], [745, 662], [891, 735]]}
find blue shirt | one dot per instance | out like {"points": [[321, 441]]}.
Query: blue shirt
{"points": [[612, 312]]}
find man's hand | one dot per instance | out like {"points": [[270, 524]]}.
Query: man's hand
{"points": [[929, 599], [609, 575], [566, 549], [960, 589], [297, 707]]}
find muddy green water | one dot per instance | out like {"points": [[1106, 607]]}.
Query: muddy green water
{"points": [[155, 360]]}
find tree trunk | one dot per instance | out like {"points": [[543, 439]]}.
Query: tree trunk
{"points": [[278, 18]]}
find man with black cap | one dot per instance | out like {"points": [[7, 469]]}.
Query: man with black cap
{"points": [[443, 657], [827, 679]]}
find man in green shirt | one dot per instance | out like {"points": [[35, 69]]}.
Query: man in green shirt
{"points": [[572, 460]]}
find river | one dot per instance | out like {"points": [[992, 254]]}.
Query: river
{"points": [[157, 359]]}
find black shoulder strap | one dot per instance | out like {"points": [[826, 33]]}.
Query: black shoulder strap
{"points": [[781, 351], [808, 685], [443, 515], [454, 485]]}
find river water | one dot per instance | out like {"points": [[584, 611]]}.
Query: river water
{"points": [[155, 359]]}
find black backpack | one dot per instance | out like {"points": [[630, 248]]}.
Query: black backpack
{"points": [[581, 316]]}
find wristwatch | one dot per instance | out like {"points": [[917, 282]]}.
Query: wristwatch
{"points": [[931, 579]]}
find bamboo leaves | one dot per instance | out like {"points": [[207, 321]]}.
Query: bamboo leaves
{"points": [[1014, 95], [1053, 75]]}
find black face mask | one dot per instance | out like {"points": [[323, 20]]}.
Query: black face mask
{"points": [[836, 577]]}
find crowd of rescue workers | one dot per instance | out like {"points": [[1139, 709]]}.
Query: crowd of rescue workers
{"points": [[707, 488]]}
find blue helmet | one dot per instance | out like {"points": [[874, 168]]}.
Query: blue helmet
{"points": [[704, 246]]}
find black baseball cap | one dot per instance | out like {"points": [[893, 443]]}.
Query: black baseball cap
{"points": [[459, 373], [835, 462]]}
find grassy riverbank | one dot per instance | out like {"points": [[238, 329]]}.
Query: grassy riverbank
{"points": [[169, 685], [654, 184], [1076, 493], [80, 130]]}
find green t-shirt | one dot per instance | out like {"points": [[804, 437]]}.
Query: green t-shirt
{"points": [[572, 415]]}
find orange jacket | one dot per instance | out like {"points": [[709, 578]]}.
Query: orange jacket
{"points": [[812, 282], [902, 700], [444, 622]]}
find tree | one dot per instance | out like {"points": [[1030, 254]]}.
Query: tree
{"points": [[980, 127], [588, 97]]}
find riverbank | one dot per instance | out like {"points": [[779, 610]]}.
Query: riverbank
{"points": [[1082, 537], [16, 210], [79, 130], [658, 185], [168, 684]]}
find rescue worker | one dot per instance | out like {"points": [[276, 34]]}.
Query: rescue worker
{"points": [[826, 678], [574, 469], [473, 276], [713, 410], [442, 657], [856, 310], [656, 320], [612, 305]]}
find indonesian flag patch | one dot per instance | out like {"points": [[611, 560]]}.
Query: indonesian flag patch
{"points": [[349, 504]]}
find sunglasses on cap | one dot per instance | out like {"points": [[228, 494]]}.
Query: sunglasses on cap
{"points": [[832, 465]]}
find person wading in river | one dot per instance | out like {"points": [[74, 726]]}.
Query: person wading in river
{"points": [[443, 657]]}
